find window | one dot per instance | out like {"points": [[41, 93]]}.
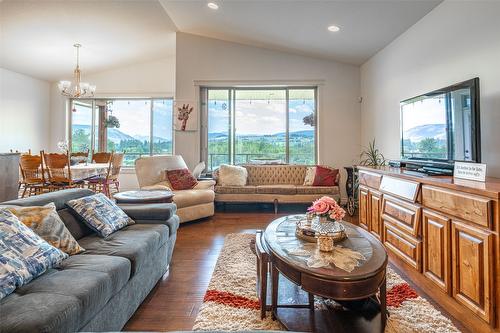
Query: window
{"points": [[259, 124], [136, 127]]}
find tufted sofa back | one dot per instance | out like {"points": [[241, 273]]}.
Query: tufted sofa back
{"points": [[275, 174]]}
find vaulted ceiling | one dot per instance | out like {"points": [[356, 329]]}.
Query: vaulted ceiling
{"points": [[301, 26], [36, 36]]}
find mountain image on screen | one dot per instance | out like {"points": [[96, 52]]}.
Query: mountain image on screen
{"points": [[425, 141]]}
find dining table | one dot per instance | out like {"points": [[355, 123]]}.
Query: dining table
{"points": [[84, 171]]}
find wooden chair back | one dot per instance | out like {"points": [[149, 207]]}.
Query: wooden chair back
{"points": [[115, 166], [58, 167], [101, 157], [81, 154], [31, 169]]}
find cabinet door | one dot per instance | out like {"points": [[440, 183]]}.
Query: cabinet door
{"points": [[472, 253], [374, 212], [363, 207], [436, 244]]}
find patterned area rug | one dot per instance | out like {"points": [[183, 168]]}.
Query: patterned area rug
{"points": [[231, 303]]}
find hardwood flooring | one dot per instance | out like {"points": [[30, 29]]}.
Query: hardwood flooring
{"points": [[174, 303]]}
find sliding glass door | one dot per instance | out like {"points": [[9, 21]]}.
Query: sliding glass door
{"points": [[136, 127], [259, 125]]}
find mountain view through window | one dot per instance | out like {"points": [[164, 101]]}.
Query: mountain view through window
{"points": [[253, 125]]}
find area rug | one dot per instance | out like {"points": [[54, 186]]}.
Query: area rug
{"points": [[231, 303]]}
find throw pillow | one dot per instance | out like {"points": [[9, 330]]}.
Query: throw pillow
{"points": [[100, 213], [232, 175], [310, 174], [198, 170], [325, 176], [181, 179], [23, 254], [46, 223]]}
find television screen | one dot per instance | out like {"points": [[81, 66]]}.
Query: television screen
{"points": [[442, 125]]}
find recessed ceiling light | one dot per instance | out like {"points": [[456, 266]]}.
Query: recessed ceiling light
{"points": [[333, 28], [213, 5]]}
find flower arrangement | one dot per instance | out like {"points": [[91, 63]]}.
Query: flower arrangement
{"points": [[63, 146], [327, 207]]}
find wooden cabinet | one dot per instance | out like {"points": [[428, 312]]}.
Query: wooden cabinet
{"points": [[472, 254], [363, 207], [436, 253], [370, 204], [444, 234], [374, 206]]}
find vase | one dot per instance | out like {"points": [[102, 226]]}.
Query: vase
{"points": [[323, 219]]}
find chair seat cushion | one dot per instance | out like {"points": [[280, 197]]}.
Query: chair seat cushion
{"points": [[135, 243], [277, 189], [332, 190], [188, 198], [248, 189]]}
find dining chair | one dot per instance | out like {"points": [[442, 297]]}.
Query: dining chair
{"points": [[103, 184], [59, 171], [100, 157], [80, 156], [32, 174]]}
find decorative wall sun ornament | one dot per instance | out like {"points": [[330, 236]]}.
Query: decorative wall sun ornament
{"points": [[76, 88]]}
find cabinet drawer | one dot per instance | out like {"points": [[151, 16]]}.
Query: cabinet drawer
{"points": [[404, 215], [465, 206], [370, 179], [404, 246]]}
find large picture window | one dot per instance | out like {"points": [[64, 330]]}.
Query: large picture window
{"points": [[136, 127], [259, 125]]}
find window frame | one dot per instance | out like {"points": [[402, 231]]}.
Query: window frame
{"points": [[203, 93], [93, 133]]}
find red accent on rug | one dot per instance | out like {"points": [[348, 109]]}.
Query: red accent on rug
{"points": [[400, 293], [222, 297]]}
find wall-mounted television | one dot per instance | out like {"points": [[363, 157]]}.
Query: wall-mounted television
{"points": [[442, 126]]}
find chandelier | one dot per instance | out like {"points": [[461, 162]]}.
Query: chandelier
{"points": [[76, 88]]}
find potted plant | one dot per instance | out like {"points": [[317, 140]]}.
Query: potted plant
{"points": [[371, 156], [112, 122]]}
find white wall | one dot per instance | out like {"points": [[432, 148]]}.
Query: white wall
{"points": [[456, 41], [24, 112], [151, 79], [206, 59]]}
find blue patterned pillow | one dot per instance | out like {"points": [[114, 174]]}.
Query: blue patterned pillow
{"points": [[101, 214], [23, 254]]}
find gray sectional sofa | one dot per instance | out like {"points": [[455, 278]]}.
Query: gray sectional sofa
{"points": [[100, 289]]}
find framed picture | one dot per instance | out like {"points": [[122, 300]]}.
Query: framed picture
{"points": [[185, 116]]}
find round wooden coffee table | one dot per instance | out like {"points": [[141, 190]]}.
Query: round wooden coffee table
{"points": [[355, 272], [142, 197]]}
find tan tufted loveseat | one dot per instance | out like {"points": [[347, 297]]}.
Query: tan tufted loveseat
{"points": [[274, 184]]}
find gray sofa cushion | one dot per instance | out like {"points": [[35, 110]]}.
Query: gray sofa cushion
{"points": [[83, 284], [134, 242], [59, 198], [74, 224], [40, 312], [152, 211]]}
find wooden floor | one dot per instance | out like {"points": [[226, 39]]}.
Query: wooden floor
{"points": [[174, 303]]}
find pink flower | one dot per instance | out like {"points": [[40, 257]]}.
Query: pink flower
{"points": [[327, 206], [320, 207]]}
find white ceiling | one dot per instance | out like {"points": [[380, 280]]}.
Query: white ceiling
{"points": [[36, 36], [300, 26]]}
